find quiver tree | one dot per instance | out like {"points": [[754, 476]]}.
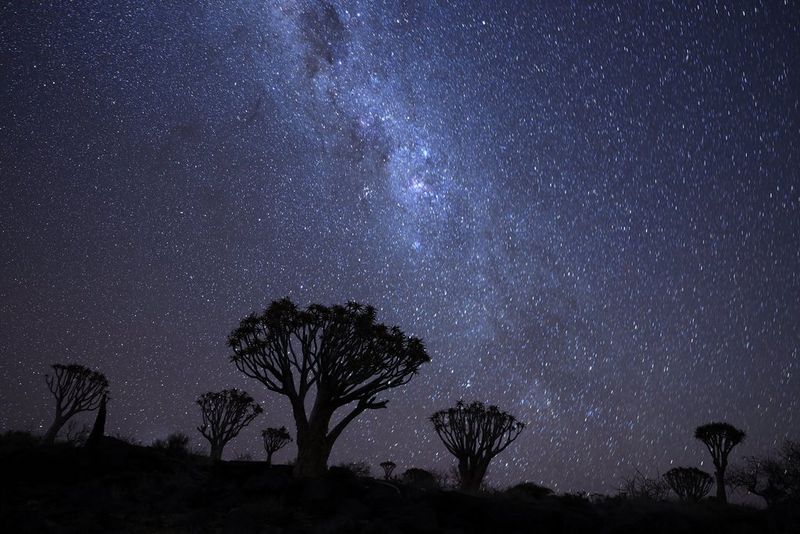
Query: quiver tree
{"points": [[99, 428], [225, 414], [76, 389], [339, 353], [388, 467], [689, 483], [719, 439], [475, 434], [274, 440]]}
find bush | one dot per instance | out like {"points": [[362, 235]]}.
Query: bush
{"points": [[127, 439], [76, 435], [528, 491], [420, 478], [15, 440], [176, 444], [641, 487], [359, 469]]}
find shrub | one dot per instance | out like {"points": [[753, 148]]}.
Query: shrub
{"points": [[176, 444], [420, 478], [15, 440], [359, 469], [639, 486], [528, 491]]}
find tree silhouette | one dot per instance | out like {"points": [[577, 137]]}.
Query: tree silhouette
{"points": [[719, 439], [774, 479], [689, 483], [225, 414], [274, 440], [76, 389], [99, 428], [641, 487], [388, 466], [339, 352], [475, 434]]}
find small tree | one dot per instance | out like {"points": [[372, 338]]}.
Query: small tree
{"points": [[775, 478], [719, 439], [76, 389], [274, 440], [339, 352], [475, 434], [388, 467], [225, 414], [689, 483]]}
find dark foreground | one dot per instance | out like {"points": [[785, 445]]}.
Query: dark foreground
{"points": [[127, 488]]}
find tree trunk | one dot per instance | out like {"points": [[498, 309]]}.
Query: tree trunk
{"points": [[471, 474], [269, 458], [719, 474], [52, 432], [313, 448], [99, 428], [216, 452]]}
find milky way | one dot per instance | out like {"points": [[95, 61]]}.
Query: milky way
{"points": [[591, 214]]}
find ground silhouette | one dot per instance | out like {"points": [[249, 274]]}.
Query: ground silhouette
{"points": [[120, 487]]}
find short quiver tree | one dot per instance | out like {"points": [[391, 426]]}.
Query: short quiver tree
{"points": [[719, 439], [340, 353], [225, 414], [76, 389], [688, 483], [475, 434], [274, 440], [388, 468]]}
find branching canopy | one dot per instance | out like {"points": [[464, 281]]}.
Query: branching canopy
{"points": [[476, 431], [689, 483], [275, 438], [76, 388], [225, 414], [720, 439], [774, 478], [388, 467], [339, 350]]}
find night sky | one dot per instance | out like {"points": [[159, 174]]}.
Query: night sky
{"points": [[590, 214]]}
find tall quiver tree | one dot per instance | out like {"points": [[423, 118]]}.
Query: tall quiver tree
{"points": [[719, 439], [99, 428], [274, 440], [475, 434], [338, 354], [76, 389], [225, 414]]}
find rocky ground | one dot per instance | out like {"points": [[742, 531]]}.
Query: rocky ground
{"points": [[127, 488]]}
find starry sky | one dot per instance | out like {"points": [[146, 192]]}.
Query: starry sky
{"points": [[590, 212]]}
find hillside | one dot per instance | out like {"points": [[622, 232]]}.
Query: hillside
{"points": [[128, 488]]}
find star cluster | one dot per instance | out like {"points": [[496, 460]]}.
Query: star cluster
{"points": [[590, 213]]}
